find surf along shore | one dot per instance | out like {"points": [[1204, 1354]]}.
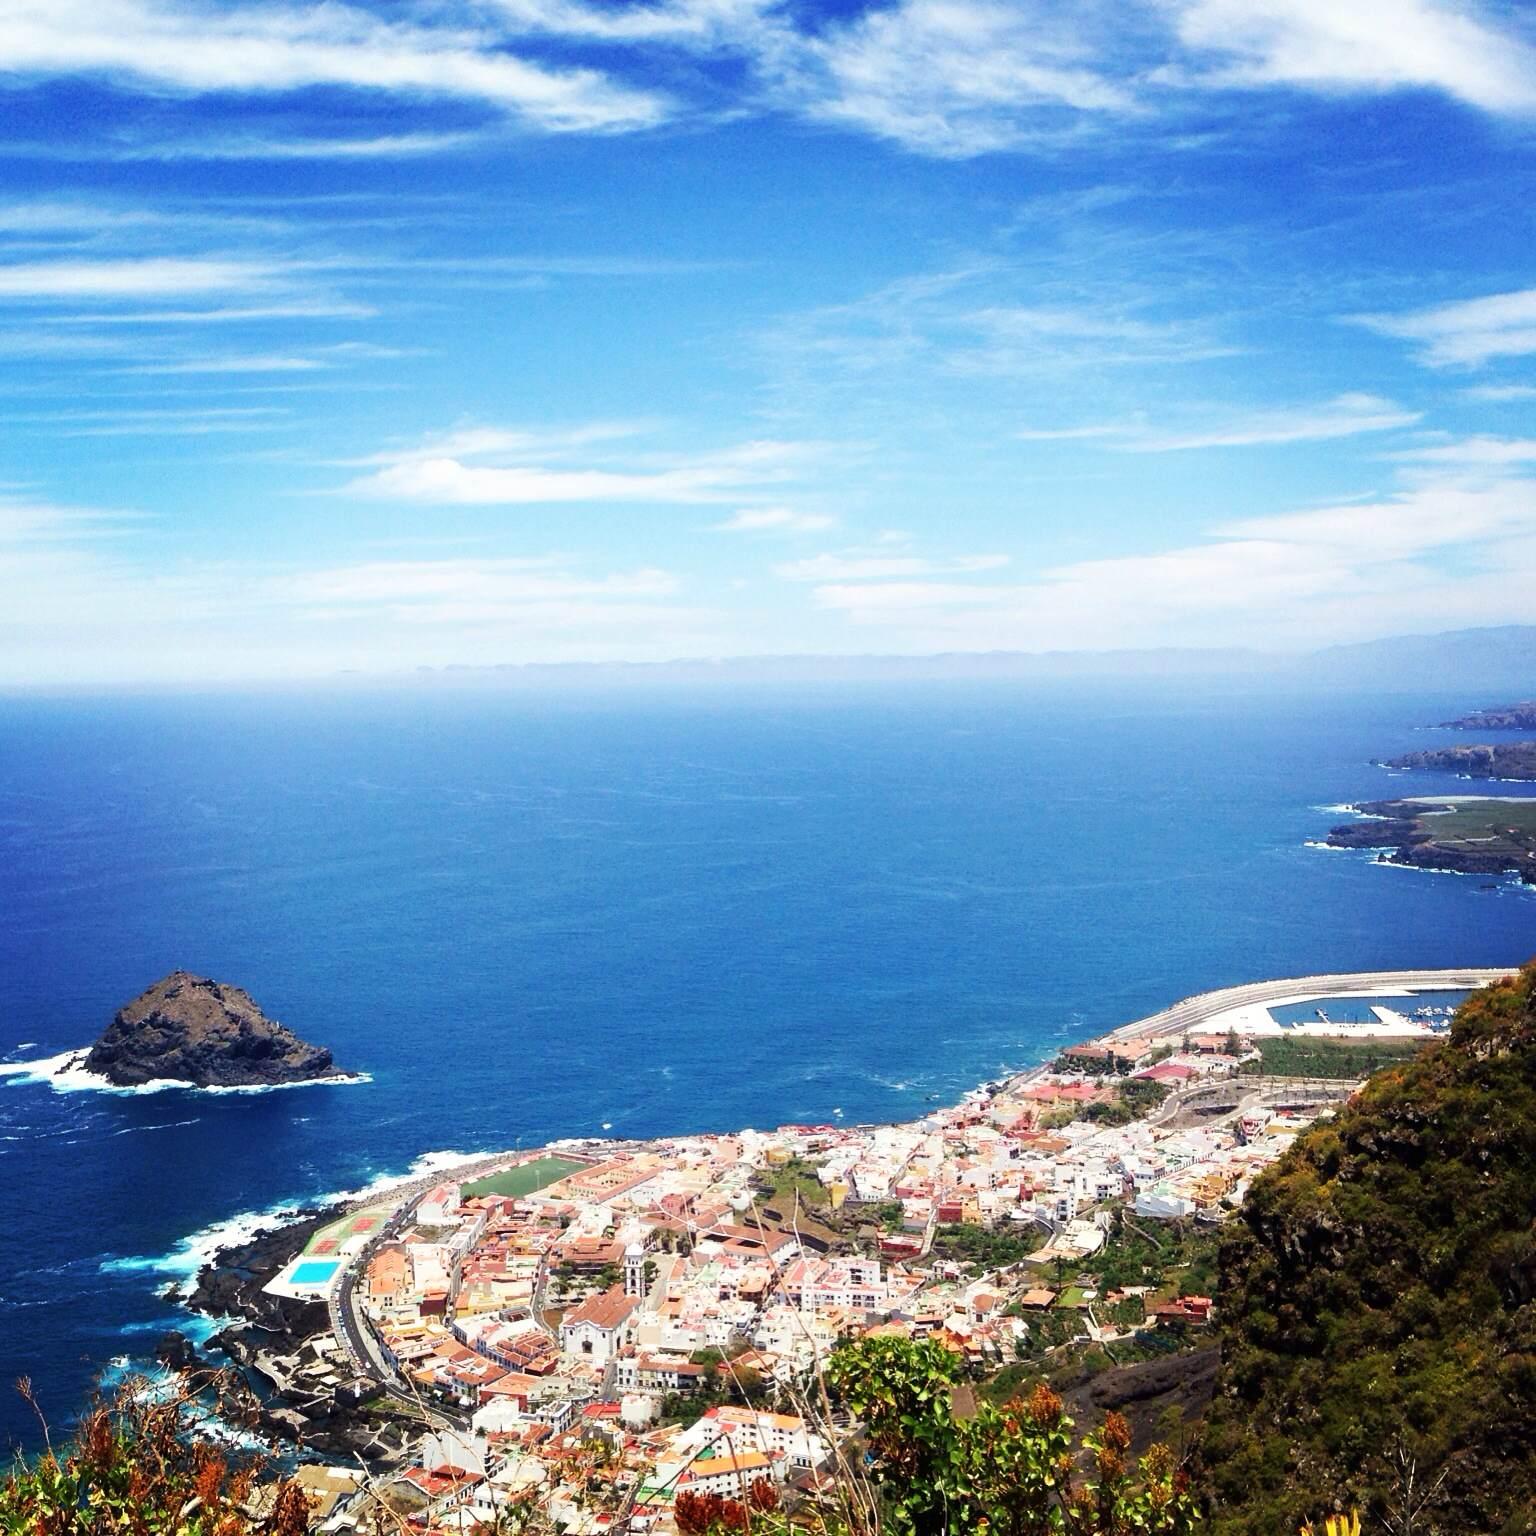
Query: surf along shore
{"points": [[287, 1294]]}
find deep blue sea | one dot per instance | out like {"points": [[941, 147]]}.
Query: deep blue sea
{"points": [[529, 917]]}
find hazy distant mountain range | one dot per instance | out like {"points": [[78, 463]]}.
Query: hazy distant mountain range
{"points": [[1488, 662]]}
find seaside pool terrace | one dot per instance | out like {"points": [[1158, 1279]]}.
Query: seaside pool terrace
{"points": [[313, 1273], [525, 1178]]}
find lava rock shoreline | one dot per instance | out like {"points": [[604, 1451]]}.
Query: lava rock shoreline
{"points": [[192, 1029], [267, 1335]]}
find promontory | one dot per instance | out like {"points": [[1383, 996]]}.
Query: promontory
{"points": [[191, 1029], [1464, 834], [1506, 760], [1506, 717]]}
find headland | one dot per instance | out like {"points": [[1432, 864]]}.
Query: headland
{"points": [[1460, 834]]}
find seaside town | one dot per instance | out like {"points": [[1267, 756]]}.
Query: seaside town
{"points": [[605, 1332]]}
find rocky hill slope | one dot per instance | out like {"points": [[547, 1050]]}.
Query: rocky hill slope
{"points": [[194, 1030], [1379, 1300]]}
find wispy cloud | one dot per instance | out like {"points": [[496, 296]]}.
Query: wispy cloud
{"points": [[1467, 332], [1499, 394], [480, 582], [1481, 452], [135, 278], [24, 520], [242, 362], [269, 49], [775, 520], [252, 147], [501, 467], [1439, 554], [1346, 415], [944, 78], [853, 566], [228, 314], [961, 77]]}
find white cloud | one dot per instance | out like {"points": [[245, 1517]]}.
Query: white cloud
{"points": [[248, 362], [1438, 555], [265, 49], [27, 521], [519, 469], [143, 277], [1473, 453], [477, 582], [946, 78], [230, 314], [1363, 45], [774, 520], [956, 77], [379, 146], [1467, 332], [1070, 434], [1500, 394], [1343, 416], [853, 566]]}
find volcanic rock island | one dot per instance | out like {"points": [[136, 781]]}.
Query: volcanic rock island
{"points": [[190, 1029]]}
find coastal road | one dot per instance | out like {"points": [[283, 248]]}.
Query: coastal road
{"points": [[1193, 1012]]}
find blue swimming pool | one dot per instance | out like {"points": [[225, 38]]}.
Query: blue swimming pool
{"points": [[314, 1272]]}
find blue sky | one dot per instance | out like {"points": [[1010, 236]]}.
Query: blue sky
{"points": [[374, 336]]}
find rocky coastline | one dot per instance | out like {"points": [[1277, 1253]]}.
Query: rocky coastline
{"points": [[192, 1029], [1407, 828], [1505, 760], [1503, 717], [269, 1339]]}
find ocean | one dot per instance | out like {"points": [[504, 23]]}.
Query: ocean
{"points": [[526, 916]]}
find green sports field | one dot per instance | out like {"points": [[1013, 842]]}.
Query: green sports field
{"points": [[525, 1178]]}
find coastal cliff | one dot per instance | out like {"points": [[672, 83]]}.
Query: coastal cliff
{"points": [[1507, 717], [191, 1029], [1466, 836], [1507, 760]]}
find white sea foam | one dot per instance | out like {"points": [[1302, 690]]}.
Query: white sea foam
{"points": [[66, 1073], [1330, 847], [193, 1254]]}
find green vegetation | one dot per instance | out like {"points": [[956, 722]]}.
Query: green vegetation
{"points": [[1174, 1258], [796, 1177], [1472, 821], [1006, 1471], [1136, 1097], [525, 1179], [988, 1247], [1318, 1056], [131, 1468], [1379, 1300]]}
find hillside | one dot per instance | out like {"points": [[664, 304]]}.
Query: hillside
{"points": [[1379, 1299]]}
